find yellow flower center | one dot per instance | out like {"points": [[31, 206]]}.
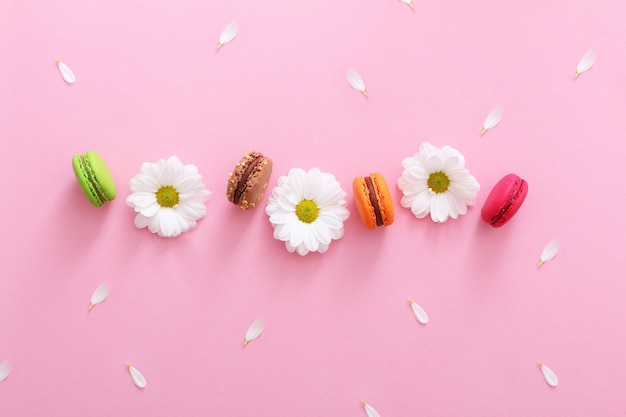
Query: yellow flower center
{"points": [[307, 211], [438, 182], [167, 196]]}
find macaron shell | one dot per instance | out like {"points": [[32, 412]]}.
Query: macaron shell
{"points": [[363, 204], [385, 202], [101, 176], [257, 178], [504, 200], [256, 184], [85, 183]]}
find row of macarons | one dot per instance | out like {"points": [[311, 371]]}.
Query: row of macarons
{"points": [[428, 180]]}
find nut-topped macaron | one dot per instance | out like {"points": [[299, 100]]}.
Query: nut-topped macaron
{"points": [[247, 182], [94, 178], [373, 200]]}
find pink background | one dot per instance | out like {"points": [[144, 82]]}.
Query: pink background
{"points": [[339, 329]]}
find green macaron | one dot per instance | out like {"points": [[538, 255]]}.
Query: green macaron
{"points": [[94, 178]]}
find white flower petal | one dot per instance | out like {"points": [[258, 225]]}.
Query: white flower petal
{"points": [[492, 120], [144, 183], [356, 82], [170, 174], [418, 312], [99, 295], [310, 239], [228, 34], [168, 223], [192, 209], [5, 370], [369, 410], [282, 217], [434, 163], [549, 375], [141, 200], [585, 63], [141, 221], [150, 211], [66, 72], [408, 2], [420, 205], [439, 209], [453, 208], [136, 376], [321, 233], [154, 224], [549, 252], [254, 331]]}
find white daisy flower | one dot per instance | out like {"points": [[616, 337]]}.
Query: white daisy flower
{"points": [[307, 210], [168, 197], [436, 181]]}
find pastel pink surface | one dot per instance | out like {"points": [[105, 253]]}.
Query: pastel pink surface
{"points": [[339, 329], [504, 200]]}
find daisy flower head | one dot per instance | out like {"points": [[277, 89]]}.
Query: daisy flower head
{"points": [[168, 197], [436, 182], [307, 210]]}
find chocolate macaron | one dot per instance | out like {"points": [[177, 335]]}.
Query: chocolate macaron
{"points": [[247, 182]]}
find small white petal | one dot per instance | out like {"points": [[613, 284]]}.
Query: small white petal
{"points": [[369, 410], [418, 312], [549, 375], [585, 63], [136, 376], [228, 34], [409, 2], [492, 119], [549, 252], [5, 369], [66, 72], [99, 295], [356, 82], [254, 331]]}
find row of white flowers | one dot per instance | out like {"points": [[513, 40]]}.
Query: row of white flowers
{"points": [[306, 208]]}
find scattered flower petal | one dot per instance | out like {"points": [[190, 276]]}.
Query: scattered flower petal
{"points": [[228, 34], [408, 2], [254, 331], [356, 82], [99, 295], [307, 210], [66, 72], [549, 252], [136, 376], [549, 375], [436, 182], [5, 369], [369, 410], [169, 197], [585, 63], [418, 312], [492, 119]]}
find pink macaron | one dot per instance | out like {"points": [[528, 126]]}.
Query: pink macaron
{"points": [[504, 200]]}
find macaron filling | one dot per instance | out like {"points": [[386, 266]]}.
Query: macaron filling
{"points": [[92, 179], [514, 194], [374, 200], [243, 182]]}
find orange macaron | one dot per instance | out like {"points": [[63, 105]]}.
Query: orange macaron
{"points": [[373, 200]]}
